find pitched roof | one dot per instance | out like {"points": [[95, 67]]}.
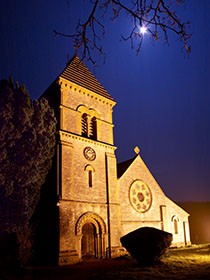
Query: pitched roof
{"points": [[123, 166], [79, 74]]}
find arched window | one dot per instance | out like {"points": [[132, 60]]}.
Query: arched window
{"points": [[175, 227], [175, 220], [84, 125], [90, 170], [90, 178], [93, 128]]}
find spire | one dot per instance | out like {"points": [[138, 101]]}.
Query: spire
{"points": [[79, 74]]}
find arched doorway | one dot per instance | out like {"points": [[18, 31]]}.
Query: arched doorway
{"points": [[88, 242], [91, 230]]}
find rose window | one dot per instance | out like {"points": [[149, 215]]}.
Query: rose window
{"points": [[140, 196]]}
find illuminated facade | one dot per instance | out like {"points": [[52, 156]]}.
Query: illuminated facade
{"points": [[99, 201]]}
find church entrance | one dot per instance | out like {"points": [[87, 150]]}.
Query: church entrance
{"points": [[88, 246], [92, 232]]}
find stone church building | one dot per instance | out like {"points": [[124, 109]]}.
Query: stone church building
{"points": [[98, 200]]}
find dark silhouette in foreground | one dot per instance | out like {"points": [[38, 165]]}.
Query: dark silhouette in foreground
{"points": [[147, 245], [27, 144]]}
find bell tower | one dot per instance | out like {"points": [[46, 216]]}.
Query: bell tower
{"points": [[89, 210]]}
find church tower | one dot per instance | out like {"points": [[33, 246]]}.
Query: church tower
{"points": [[88, 203]]}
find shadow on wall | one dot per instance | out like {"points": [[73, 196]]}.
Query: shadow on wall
{"points": [[199, 220], [45, 220]]}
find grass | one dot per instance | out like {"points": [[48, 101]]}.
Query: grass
{"points": [[192, 262]]}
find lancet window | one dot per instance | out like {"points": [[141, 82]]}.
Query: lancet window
{"points": [[175, 221], [90, 170], [93, 128], [175, 226], [90, 178], [84, 125]]}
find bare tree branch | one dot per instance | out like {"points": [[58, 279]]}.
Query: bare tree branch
{"points": [[158, 16]]}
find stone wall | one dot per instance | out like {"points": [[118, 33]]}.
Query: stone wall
{"points": [[97, 202], [160, 214], [72, 98], [87, 186]]}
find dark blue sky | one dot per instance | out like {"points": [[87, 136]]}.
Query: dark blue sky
{"points": [[163, 95]]}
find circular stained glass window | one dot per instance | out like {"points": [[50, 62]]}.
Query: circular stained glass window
{"points": [[140, 196]]}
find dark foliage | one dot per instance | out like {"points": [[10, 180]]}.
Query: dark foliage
{"points": [[9, 251], [27, 140], [147, 245]]}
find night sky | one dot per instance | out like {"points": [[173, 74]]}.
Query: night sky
{"points": [[162, 95]]}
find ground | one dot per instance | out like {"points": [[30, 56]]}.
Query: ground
{"points": [[192, 262]]}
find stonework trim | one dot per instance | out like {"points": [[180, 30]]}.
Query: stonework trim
{"points": [[89, 112], [64, 134], [89, 167], [110, 155], [141, 221], [65, 143], [73, 201], [90, 217], [174, 217], [65, 84]]}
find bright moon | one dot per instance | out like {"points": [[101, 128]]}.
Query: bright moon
{"points": [[143, 30]]}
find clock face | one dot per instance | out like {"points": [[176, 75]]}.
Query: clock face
{"points": [[89, 153], [140, 196]]}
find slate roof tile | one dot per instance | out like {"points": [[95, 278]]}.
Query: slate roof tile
{"points": [[79, 74]]}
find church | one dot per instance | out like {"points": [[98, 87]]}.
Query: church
{"points": [[97, 200]]}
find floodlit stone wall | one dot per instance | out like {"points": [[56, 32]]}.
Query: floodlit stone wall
{"points": [[75, 100], [78, 155], [89, 193], [138, 189]]}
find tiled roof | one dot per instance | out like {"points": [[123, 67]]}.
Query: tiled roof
{"points": [[79, 74], [123, 166]]}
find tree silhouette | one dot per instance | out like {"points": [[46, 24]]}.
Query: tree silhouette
{"points": [[27, 140], [158, 17]]}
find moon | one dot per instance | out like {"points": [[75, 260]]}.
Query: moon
{"points": [[143, 30]]}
